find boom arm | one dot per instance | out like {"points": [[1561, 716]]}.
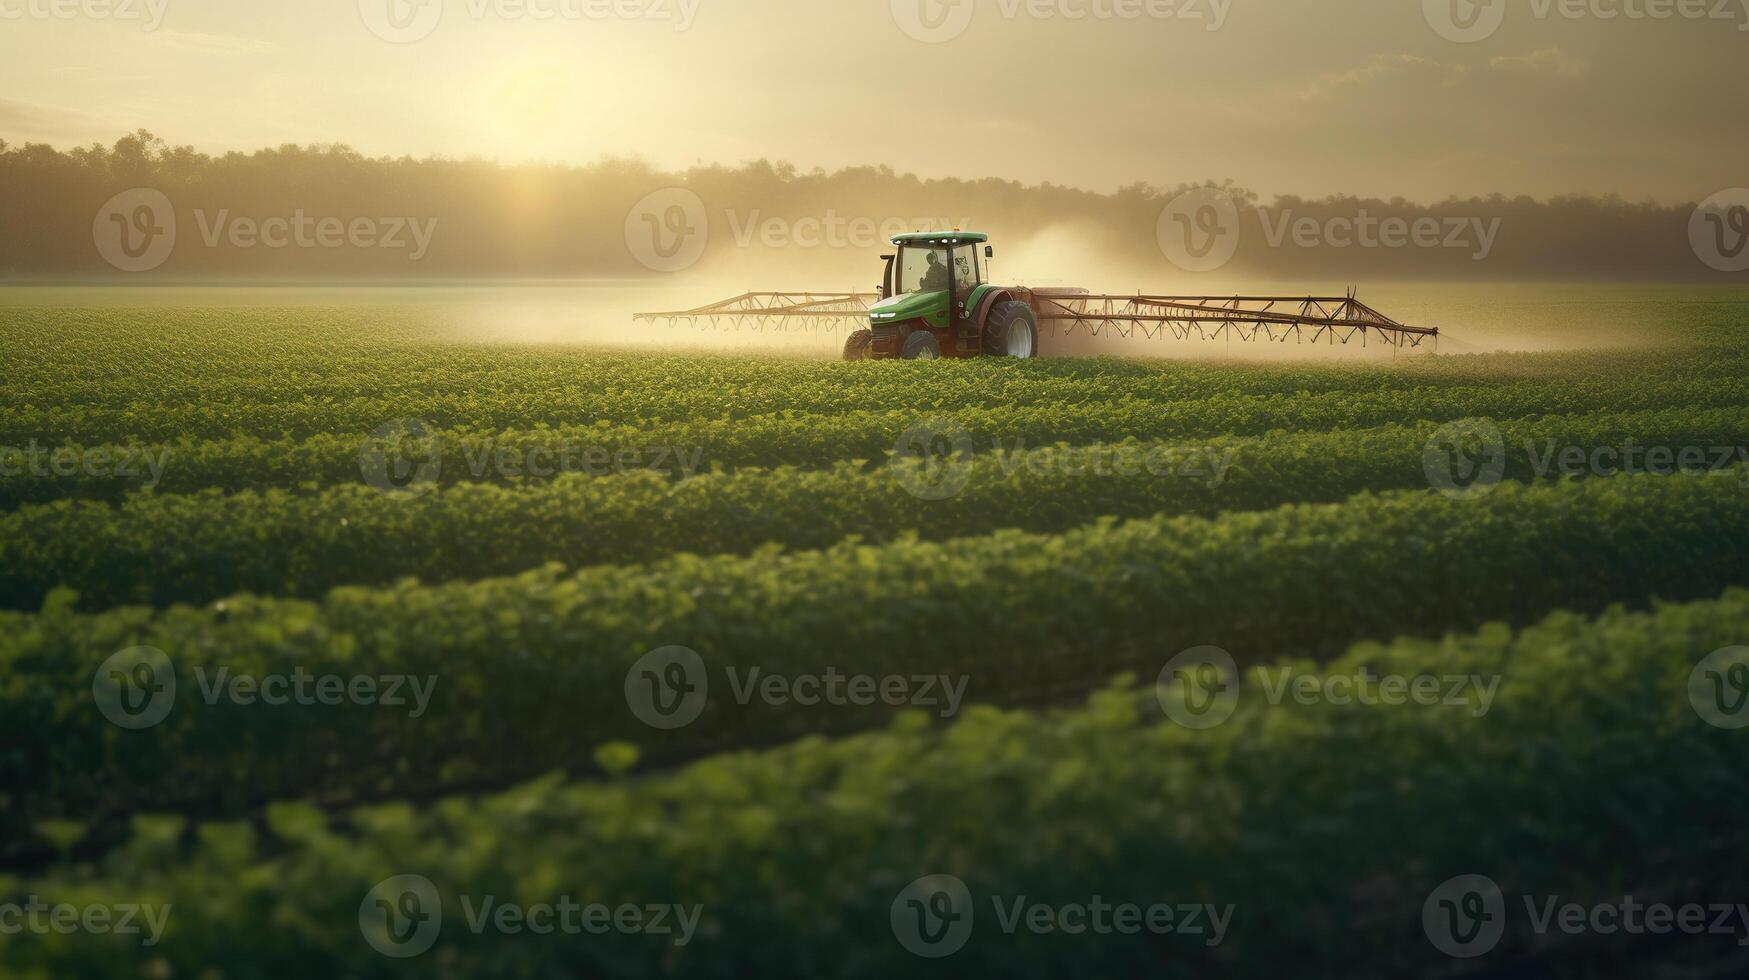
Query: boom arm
{"points": [[1273, 318]]}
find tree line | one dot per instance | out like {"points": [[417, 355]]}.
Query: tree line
{"points": [[328, 211]]}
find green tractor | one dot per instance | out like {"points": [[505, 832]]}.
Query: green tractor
{"points": [[936, 300]]}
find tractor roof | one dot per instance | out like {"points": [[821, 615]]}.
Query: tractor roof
{"points": [[940, 238]]}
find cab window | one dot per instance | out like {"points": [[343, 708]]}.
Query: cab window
{"points": [[922, 269], [965, 269]]}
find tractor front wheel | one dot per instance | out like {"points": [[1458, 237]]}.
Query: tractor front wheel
{"points": [[1011, 331], [856, 345], [921, 346]]}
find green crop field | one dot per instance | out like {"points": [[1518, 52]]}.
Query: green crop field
{"points": [[308, 608]]}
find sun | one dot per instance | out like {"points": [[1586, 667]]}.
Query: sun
{"points": [[529, 109]]}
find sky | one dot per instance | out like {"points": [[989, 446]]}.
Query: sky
{"points": [[1423, 99]]}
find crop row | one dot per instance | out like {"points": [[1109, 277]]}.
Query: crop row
{"points": [[165, 548], [530, 671], [109, 471], [556, 399], [756, 386], [59, 357], [796, 860]]}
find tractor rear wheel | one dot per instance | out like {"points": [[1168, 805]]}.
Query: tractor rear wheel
{"points": [[856, 345], [921, 346], [1010, 330]]}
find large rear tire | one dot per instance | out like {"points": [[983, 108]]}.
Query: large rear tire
{"points": [[921, 346], [856, 345], [1011, 331]]}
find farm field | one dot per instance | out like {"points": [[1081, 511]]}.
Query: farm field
{"points": [[599, 580]]}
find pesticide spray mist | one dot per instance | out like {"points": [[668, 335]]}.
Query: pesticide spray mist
{"points": [[1471, 317]]}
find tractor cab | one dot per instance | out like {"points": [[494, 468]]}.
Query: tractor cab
{"points": [[936, 301], [935, 264]]}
